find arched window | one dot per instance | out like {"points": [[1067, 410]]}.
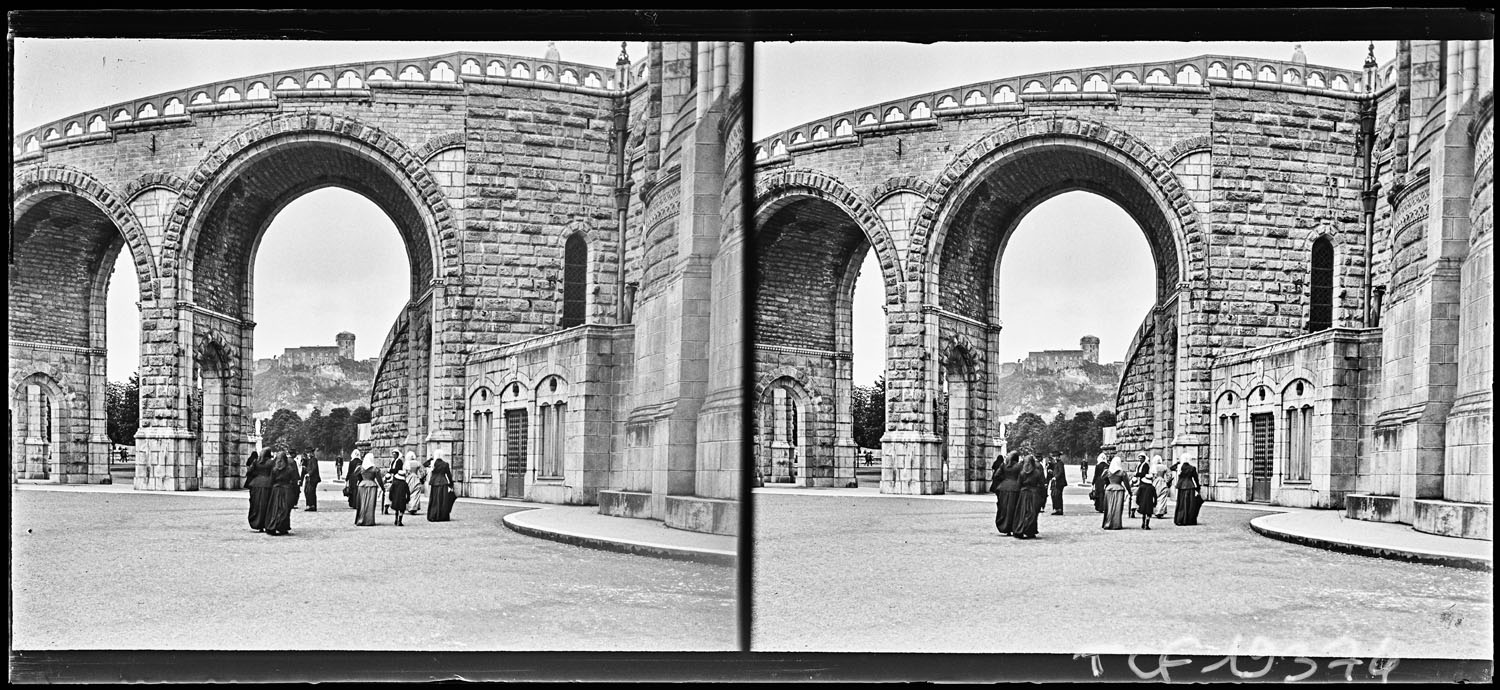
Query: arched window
{"points": [[569, 77], [1266, 74], [974, 98], [1315, 79], [1217, 70], [799, 138], [1242, 71], [544, 73], [1096, 83], [379, 74], [920, 111], [778, 148], [1320, 307], [868, 119], [442, 71], [229, 95], [258, 91], [411, 73], [470, 66], [1340, 83], [319, 81], [1034, 86], [201, 98], [820, 132], [894, 115], [122, 115], [287, 83], [520, 71], [349, 80], [495, 69], [1064, 85], [1126, 78], [73, 129], [97, 124], [174, 107], [575, 280], [592, 80], [1291, 76], [842, 128], [947, 102], [1158, 76], [1189, 75]]}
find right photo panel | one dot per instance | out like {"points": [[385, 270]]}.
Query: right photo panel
{"points": [[1120, 348]]}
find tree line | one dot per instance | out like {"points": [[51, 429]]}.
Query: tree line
{"points": [[1080, 436], [286, 430], [334, 433]]}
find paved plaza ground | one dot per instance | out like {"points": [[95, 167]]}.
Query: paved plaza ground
{"points": [[121, 570], [886, 574]]}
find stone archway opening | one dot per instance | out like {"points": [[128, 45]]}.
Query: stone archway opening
{"points": [[976, 222], [1074, 287], [64, 246], [225, 233], [809, 252]]}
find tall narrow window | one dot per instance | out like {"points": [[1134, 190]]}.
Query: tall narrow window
{"points": [[1299, 443], [1320, 312], [575, 280]]}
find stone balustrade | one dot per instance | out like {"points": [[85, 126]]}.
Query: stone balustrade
{"points": [[1103, 84], [342, 81]]}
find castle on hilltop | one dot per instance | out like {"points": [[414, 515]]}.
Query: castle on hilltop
{"points": [[313, 355]]}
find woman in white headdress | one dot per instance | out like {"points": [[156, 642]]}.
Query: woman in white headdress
{"points": [[416, 478], [1161, 477], [1188, 499], [1115, 495], [371, 483], [1097, 493]]}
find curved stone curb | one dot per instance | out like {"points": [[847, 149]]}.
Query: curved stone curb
{"points": [[638, 548], [1390, 553]]}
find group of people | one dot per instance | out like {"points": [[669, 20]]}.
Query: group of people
{"points": [[402, 486], [1021, 486], [1151, 487], [273, 491], [1021, 483]]}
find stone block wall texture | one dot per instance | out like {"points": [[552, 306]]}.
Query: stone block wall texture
{"points": [[1468, 470]]}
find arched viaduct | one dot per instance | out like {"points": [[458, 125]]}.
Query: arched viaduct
{"points": [[497, 171], [1242, 174]]}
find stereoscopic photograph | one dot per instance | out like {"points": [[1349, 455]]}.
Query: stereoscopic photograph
{"points": [[314, 344]]}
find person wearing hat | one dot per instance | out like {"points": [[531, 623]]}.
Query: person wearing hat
{"points": [[1058, 476], [310, 479]]}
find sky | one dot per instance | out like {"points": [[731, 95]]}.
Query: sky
{"points": [[1077, 264], [308, 284]]}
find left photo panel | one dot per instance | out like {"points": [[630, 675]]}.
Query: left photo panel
{"points": [[435, 342]]}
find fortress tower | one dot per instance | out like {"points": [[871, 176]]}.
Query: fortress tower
{"points": [[1090, 346], [345, 342]]}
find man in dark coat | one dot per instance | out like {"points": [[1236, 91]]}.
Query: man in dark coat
{"points": [[1058, 478], [258, 481], [310, 479]]}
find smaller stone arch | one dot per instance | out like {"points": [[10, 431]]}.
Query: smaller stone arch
{"points": [[214, 349], [786, 184], [901, 183], [150, 180], [1299, 375], [34, 182]]}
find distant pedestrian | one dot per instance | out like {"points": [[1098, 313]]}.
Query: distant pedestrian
{"points": [[416, 481], [1032, 486], [399, 490], [1083, 471], [371, 483], [258, 481], [1115, 495], [310, 479], [1101, 468], [442, 496], [338, 464], [283, 492], [1189, 500], [1145, 498], [1006, 485], [1058, 477]]}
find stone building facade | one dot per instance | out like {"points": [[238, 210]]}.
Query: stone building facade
{"points": [[574, 245], [1321, 335]]}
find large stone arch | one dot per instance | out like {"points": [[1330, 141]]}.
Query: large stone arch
{"points": [[954, 252]]}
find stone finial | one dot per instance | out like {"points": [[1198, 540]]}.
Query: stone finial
{"points": [[552, 54], [1298, 56], [1370, 57], [624, 58]]}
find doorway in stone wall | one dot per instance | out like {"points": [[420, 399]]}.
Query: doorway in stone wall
{"points": [[516, 430], [1262, 447]]}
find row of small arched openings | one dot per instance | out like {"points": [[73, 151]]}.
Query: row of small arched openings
{"points": [[1188, 75], [348, 79]]}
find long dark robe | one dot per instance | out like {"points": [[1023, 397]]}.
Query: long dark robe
{"points": [[399, 491], [440, 503], [1030, 499], [1114, 500], [351, 485], [368, 496], [283, 495], [1145, 499], [258, 481], [1008, 498], [1099, 483], [1058, 481], [310, 479], [1188, 502]]}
